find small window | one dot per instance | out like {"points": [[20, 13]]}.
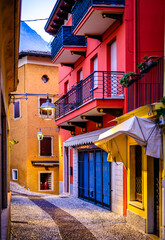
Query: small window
{"points": [[45, 112], [45, 181], [45, 78], [79, 76], [14, 174], [16, 109], [46, 147]]}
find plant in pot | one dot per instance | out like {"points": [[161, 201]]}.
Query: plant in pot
{"points": [[142, 66], [128, 79]]}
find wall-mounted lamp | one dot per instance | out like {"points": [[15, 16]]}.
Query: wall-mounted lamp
{"points": [[40, 135], [47, 109]]}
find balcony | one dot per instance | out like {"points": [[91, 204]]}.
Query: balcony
{"points": [[100, 85], [148, 89], [94, 17], [65, 42]]}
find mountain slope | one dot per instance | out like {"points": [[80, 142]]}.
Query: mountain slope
{"points": [[30, 40]]}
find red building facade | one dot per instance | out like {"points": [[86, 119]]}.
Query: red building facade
{"points": [[95, 43]]}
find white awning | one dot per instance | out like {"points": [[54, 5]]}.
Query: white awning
{"points": [[85, 138], [145, 132]]}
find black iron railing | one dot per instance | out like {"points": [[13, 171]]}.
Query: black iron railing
{"points": [[98, 85], [81, 8], [148, 89], [65, 37]]}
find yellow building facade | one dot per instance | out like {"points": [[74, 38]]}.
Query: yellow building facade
{"points": [[34, 162]]}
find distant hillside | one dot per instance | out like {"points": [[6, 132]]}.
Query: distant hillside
{"points": [[30, 40]]}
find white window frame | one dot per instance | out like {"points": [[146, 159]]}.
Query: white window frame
{"points": [[13, 177], [19, 110], [51, 146], [39, 107], [52, 179]]}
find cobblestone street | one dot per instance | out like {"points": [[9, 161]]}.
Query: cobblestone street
{"points": [[41, 216]]}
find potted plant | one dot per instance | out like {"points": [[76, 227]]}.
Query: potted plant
{"points": [[147, 64], [128, 79], [142, 66]]}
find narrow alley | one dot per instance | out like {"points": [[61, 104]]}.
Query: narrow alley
{"points": [[45, 216]]}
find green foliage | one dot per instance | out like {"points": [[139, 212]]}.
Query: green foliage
{"points": [[160, 112], [163, 100], [125, 80], [13, 142]]}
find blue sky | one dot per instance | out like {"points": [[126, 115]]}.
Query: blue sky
{"points": [[37, 9]]}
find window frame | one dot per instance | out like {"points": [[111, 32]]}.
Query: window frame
{"points": [[92, 60], [14, 170], [16, 118], [132, 191], [52, 181], [46, 136], [43, 115]]}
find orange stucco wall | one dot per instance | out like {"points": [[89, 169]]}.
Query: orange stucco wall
{"points": [[25, 129]]}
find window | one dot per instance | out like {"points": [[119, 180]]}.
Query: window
{"points": [[79, 76], [66, 89], [45, 181], [136, 173], [16, 109], [45, 78], [45, 112], [46, 147], [94, 68], [14, 174]]}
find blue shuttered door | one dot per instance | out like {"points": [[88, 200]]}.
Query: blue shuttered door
{"points": [[106, 180], [99, 175], [91, 175], [94, 176], [86, 178]]}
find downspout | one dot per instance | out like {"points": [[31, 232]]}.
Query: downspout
{"points": [[163, 142]]}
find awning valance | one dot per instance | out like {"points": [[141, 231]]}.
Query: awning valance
{"points": [[85, 138], [144, 131]]}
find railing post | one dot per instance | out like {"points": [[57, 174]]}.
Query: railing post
{"points": [[103, 85], [92, 85]]}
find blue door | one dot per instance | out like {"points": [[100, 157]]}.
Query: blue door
{"points": [[94, 176]]}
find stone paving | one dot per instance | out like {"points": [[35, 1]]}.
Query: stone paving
{"points": [[44, 216]]}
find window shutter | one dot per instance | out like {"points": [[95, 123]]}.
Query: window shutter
{"points": [[45, 147]]}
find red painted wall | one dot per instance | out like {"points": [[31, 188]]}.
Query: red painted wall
{"points": [[141, 33]]}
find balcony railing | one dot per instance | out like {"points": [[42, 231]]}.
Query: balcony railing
{"points": [[98, 85], [65, 37], [81, 8], [148, 89]]}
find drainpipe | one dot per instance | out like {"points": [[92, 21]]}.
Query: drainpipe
{"points": [[163, 180]]}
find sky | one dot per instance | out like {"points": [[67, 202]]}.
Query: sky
{"points": [[37, 9]]}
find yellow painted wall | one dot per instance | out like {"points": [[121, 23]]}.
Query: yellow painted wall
{"points": [[25, 129]]}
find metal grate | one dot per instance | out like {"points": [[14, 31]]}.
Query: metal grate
{"points": [[138, 176], [148, 89]]}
